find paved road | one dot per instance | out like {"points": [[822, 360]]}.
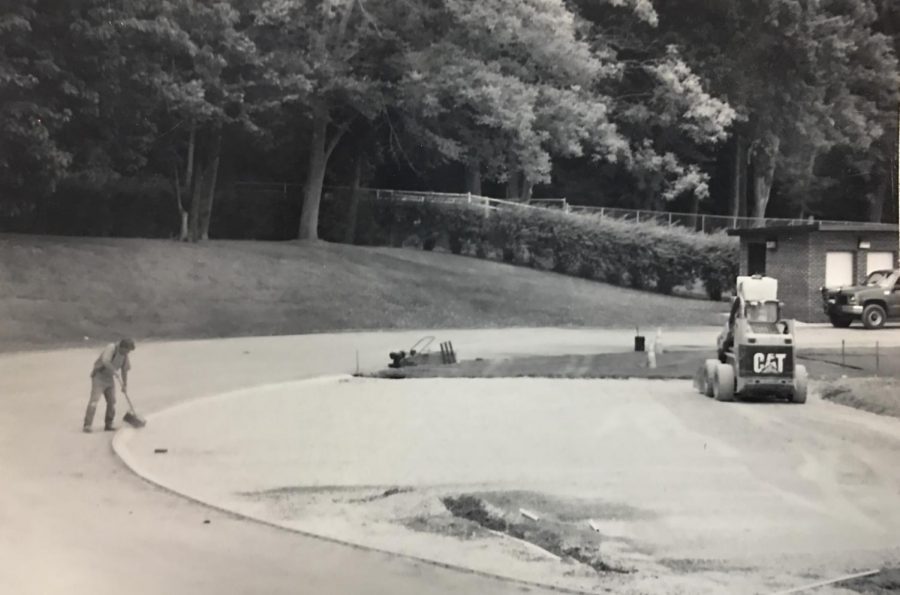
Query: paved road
{"points": [[75, 520]]}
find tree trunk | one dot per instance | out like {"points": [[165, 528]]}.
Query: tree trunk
{"points": [[200, 181], [764, 160], [315, 178], [182, 212], [513, 189], [473, 177], [695, 210], [737, 187], [353, 209], [210, 194], [187, 187], [206, 169], [876, 200], [527, 187]]}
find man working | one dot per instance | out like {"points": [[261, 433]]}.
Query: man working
{"points": [[113, 358]]}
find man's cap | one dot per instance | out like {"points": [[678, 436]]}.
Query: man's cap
{"points": [[127, 344]]}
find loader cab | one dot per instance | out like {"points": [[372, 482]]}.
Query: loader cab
{"points": [[756, 309], [764, 317]]}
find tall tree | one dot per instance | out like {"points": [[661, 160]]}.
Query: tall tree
{"points": [[32, 108], [803, 75], [511, 85], [198, 65], [329, 64]]}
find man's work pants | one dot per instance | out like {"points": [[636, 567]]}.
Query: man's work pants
{"points": [[107, 388]]}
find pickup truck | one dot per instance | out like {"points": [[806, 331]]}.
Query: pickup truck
{"points": [[874, 302]]}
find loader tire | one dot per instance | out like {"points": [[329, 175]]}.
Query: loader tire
{"points": [[709, 376], [800, 382], [723, 388]]}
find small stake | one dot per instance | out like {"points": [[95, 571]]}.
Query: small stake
{"points": [[842, 353], [877, 359], [357, 362]]}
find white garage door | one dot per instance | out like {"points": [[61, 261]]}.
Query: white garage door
{"points": [[838, 269], [878, 261]]}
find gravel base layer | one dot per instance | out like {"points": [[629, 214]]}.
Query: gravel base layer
{"points": [[629, 486]]}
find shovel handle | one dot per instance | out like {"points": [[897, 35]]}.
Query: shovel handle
{"points": [[124, 392]]}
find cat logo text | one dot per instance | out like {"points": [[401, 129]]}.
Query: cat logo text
{"points": [[769, 363]]}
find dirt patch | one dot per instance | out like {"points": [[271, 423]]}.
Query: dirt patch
{"points": [[385, 494], [448, 525], [858, 360], [886, 581], [675, 364], [874, 394], [690, 565], [563, 539]]}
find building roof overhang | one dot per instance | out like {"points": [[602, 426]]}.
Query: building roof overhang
{"points": [[782, 229]]}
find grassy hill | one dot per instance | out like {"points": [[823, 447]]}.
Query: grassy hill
{"points": [[56, 291]]}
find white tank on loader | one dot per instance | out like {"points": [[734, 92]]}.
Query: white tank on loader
{"points": [[756, 350]]}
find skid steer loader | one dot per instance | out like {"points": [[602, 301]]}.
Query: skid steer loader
{"points": [[755, 350]]}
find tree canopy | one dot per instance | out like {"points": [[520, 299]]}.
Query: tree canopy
{"points": [[733, 104]]}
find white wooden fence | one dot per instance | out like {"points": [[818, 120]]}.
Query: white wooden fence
{"points": [[699, 222]]}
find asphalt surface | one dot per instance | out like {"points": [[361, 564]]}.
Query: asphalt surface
{"points": [[75, 520]]}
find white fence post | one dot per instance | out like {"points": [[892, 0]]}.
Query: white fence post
{"points": [[703, 223]]}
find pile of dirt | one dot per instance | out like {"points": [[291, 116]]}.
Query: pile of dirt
{"points": [[885, 582], [560, 538]]}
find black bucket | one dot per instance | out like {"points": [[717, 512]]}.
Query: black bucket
{"points": [[639, 343]]}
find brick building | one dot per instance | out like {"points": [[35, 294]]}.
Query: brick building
{"points": [[806, 257]]}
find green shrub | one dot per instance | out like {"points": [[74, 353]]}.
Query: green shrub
{"points": [[643, 256], [718, 266]]}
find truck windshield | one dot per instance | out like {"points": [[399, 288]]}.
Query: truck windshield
{"points": [[880, 278]]}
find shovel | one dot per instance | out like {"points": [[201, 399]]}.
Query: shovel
{"points": [[131, 417]]}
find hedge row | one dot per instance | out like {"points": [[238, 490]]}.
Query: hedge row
{"points": [[642, 256]]}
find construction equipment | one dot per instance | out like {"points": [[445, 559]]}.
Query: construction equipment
{"points": [[756, 350], [420, 354]]}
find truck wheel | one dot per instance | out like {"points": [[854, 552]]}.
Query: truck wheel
{"points": [[710, 375], [800, 378], [840, 321], [873, 316], [723, 389]]}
